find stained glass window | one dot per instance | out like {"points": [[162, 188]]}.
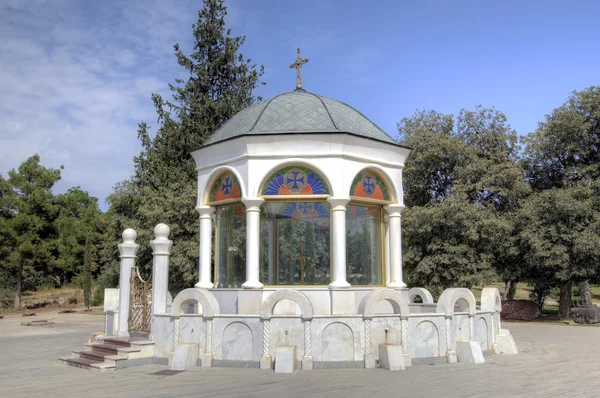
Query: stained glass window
{"points": [[225, 188], [370, 186], [295, 180]]}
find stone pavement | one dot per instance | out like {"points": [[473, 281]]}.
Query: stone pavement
{"points": [[555, 361]]}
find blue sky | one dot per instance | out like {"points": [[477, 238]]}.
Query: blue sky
{"points": [[76, 76]]}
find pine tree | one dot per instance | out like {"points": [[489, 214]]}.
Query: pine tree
{"points": [[220, 83]]}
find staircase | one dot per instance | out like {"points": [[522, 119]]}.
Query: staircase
{"points": [[110, 353]]}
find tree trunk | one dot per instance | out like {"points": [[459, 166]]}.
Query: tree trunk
{"points": [[19, 286], [510, 290], [585, 294], [564, 304]]}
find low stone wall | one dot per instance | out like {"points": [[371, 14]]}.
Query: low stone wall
{"points": [[291, 319]]}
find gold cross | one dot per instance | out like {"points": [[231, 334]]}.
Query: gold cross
{"points": [[298, 64]]}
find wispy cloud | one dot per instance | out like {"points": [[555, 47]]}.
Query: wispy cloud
{"points": [[76, 77]]}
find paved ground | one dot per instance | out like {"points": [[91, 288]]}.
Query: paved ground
{"points": [[555, 361]]}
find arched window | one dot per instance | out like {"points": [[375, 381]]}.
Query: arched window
{"points": [[364, 229], [295, 228]]}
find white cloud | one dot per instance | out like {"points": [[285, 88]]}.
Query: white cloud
{"points": [[76, 77]]}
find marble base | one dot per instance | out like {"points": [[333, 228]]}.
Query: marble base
{"points": [[285, 359], [407, 360], [451, 356], [266, 362], [505, 344], [391, 357], [307, 363], [184, 357], [469, 352], [369, 362], [206, 360]]}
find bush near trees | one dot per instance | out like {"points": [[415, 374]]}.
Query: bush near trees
{"points": [[482, 205]]}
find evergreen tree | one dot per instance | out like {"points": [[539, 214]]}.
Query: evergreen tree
{"points": [[220, 83], [27, 231]]}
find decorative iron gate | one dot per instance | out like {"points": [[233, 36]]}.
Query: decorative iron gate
{"points": [[140, 302]]}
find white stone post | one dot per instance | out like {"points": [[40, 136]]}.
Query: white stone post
{"points": [[252, 242], [395, 243], [127, 250], [206, 213], [338, 224], [161, 247]]}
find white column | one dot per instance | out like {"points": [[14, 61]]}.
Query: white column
{"points": [[252, 242], [386, 240], [161, 247], [395, 243], [127, 250], [338, 251], [205, 265]]}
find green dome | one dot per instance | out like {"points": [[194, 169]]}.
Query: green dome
{"points": [[299, 112]]}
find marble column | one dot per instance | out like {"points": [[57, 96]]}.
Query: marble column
{"points": [[252, 242], [386, 240], [161, 251], [395, 244], [338, 251], [128, 249], [205, 266]]}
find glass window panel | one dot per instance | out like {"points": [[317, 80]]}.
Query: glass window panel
{"points": [[364, 248], [295, 243], [231, 246]]}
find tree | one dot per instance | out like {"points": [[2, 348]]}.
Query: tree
{"points": [[561, 234], [78, 218], [163, 189], [462, 185], [564, 153], [28, 214]]}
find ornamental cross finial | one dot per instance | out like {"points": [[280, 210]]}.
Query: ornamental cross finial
{"points": [[298, 64]]}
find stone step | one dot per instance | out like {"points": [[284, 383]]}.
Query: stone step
{"points": [[87, 363], [112, 348], [128, 341], [100, 356]]}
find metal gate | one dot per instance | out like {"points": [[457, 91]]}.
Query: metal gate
{"points": [[140, 302]]}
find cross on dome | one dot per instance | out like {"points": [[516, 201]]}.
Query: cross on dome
{"points": [[298, 64]]}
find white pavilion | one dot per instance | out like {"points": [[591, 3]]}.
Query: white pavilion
{"points": [[300, 202]]}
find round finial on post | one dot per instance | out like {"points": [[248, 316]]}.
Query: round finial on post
{"points": [[162, 231], [129, 235]]}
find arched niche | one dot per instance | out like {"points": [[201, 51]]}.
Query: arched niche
{"points": [[369, 184], [205, 299], [298, 297], [337, 342], [369, 302], [295, 179], [426, 340], [237, 342]]}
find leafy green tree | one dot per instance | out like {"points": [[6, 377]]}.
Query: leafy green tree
{"points": [[220, 83], [462, 186], [564, 153], [560, 229], [27, 227]]}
